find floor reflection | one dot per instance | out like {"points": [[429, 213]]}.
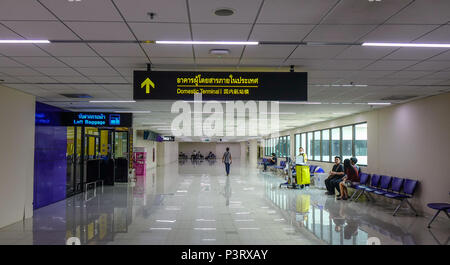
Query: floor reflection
{"points": [[193, 202]]}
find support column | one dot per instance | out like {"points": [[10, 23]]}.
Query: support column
{"points": [[253, 153]]}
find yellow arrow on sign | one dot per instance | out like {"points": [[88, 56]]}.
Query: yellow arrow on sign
{"points": [[147, 83]]}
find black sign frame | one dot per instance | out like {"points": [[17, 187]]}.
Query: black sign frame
{"points": [[174, 85]]}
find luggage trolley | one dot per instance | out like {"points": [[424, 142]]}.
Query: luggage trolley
{"points": [[290, 184]]}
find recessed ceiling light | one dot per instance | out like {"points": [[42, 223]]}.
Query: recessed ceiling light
{"points": [[23, 41], [208, 42], [411, 45], [224, 12], [219, 51]]}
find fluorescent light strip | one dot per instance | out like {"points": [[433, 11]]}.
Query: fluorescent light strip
{"points": [[209, 42], [112, 101], [23, 41], [134, 111], [379, 103], [412, 45]]}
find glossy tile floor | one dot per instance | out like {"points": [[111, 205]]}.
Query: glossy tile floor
{"points": [[195, 203]]}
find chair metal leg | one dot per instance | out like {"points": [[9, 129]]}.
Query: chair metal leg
{"points": [[445, 211], [412, 208], [359, 195], [353, 195], [434, 217], [398, 207]]}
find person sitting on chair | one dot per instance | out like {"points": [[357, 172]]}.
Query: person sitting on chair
{"points": [[351, 177], [336, 174], [271, 161]]}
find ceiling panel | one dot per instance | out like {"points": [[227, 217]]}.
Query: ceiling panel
{"points": [[37, 79], [68, 49], [97, 71], [161, 31], [6, 62], [101, 30], [279, 32], [158, 50], [329, 64], [108, 79], [440, 35], [127, 61], [172, 61], [84, 61], [118, 49], [430, 66], [397, 33], [261, 62], [72, 79], [216, 32], [414, 53], [423, 12], [363, 12], [361, 75], [390, 65], [21, 50], [41, 30], [23, 10], [408, 74], [19, 71], [5, 33], [441, 57], [202, 11], [317, 52], [361, 52], [98, 10], [269, 51], [166, 10], [338, 33], [294, 11], [217, 61], [57, 71], [40, 61]]}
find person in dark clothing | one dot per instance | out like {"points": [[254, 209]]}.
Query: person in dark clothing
{"points": [[336, 175], [227, 160], [351, 177], [271, 161]]}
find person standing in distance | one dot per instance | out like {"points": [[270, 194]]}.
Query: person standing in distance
{"points": [[227, 160]]}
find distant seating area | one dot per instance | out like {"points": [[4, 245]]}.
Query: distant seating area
{"points": [[390, 187]]}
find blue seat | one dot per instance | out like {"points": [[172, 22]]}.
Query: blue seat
{"points": [[409, 187], [363, 180], [281, 166], [444, 207], [374, 183], [385, 181]]}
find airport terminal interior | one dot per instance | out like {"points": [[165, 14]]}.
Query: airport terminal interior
{"points": [[224, 122]]}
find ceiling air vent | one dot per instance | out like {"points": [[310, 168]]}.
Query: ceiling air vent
{"points": [[399, 97], [76, 95]]}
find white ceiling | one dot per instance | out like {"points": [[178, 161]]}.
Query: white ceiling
{"points": [[104, 70]]}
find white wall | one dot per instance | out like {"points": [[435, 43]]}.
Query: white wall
{"points": [[217, 148], [410, 140], [167, 152], [17, 111], [138, 141]]}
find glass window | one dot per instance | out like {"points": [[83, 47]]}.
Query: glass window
{"points": [[335, 143], [326, 145], [309, 145], [347, 137], [297, 144], [288, 145], [361, 143], [303, 139], [316, 145]]}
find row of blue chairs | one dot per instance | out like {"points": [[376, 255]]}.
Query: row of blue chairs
{"points": [[390, 187]]}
